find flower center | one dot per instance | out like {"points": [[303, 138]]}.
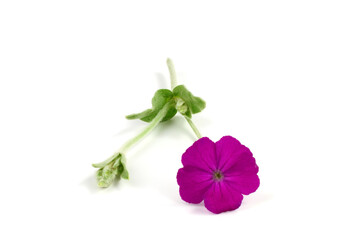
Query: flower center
{"points": [[218, 176]]}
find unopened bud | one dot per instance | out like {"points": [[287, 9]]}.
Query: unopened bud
{"points": [[181, 106]]}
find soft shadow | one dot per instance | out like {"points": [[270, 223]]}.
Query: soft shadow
{"points": [[255, 199], [90, 184], [132, 126], [162, 81], [199, 209], [170, 191], [175, 126]]}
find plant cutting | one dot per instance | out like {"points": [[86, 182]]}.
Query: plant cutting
{"points": [[219, 173]]}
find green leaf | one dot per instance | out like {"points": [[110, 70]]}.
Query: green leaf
{"points": [[195, 104], [122, 171], [160, 98], [125, 174], [107, 161], [139, 115]]}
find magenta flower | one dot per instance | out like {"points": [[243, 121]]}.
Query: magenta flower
{"points": [[218, 173]]}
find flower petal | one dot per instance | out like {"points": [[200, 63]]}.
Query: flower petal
{"points": [[201, 155], [221, 197], [193, 183], [234, 157], [245, 184]]}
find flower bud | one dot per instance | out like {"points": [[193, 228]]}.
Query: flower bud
{"points": [[106, 175], [181, 106]]}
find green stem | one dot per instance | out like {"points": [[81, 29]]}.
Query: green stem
{"points": [[173, 85], [194, 128], [172, 73], [161, 114]]}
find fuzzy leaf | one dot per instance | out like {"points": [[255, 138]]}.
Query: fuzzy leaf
{"points": [[160, 98], [107, 161], [122, 171], [195, 104], [139, 115]]}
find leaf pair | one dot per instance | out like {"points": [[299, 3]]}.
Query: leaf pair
{"points": [[190, 104]]}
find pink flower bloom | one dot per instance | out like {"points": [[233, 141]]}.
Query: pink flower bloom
{"points": [[218, 173]]}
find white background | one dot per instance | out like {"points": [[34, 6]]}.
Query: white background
{"points": [[275, 75]]}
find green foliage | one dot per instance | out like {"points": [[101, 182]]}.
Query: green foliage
{"points": [[122, 171], [185, 102], [110, 169], [160, 98], [114, 157], [165, 105], [194, 104]]}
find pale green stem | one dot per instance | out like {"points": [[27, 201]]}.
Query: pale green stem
{"points": [[173, 85], [194, 128], [161, 114], [172, 73]]}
